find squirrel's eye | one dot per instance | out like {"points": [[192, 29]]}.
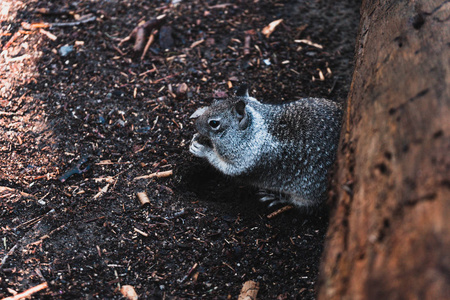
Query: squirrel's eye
{"points": [[214, 124]]}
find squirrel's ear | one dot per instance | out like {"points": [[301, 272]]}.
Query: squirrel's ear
{"points": [[242, 91], [241, 114], [200, 111]]}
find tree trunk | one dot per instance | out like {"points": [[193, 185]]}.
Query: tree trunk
{"points": [[389, 234]]}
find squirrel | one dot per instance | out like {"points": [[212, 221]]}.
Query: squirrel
{"points": [[284, 149]]}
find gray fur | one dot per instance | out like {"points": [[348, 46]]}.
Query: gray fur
{"points": [[286, 148]]}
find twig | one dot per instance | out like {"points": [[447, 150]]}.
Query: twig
{"points": [[50, 11], [18, 58], [11, 40], [11, 190], [143, 233], [7, 113], [308, 42], [149, 43], [43, 197], [25, 239], [102, 191], [82, 20], [228, 266], [280, 211], [248, 39], [164, 78], [330, 90], [34, 26], [196, 43], [149, 71], [48, 34], [46, 236], [224, 5], [139, 33], [157, 175], [28, 292], [34, 220], [10, 252], [94, 219], [189, 273], [118, 50]]}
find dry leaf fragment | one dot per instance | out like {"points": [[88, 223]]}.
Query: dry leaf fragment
{"points": [[269, 29]]}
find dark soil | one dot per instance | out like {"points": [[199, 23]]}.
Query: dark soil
{"points": [[89, 235]]}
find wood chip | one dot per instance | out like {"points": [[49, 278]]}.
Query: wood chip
{"points": [[129, 292], [143, 198], [321, 77], [269, 29], [249, 290]]}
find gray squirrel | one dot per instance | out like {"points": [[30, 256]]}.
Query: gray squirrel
{"points": [[284, 149]]}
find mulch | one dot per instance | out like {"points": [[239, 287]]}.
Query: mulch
{"points": [[84, 114]]}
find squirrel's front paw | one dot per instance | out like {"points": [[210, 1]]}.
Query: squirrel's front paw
{"points": [[197, 148], [272, 198]]}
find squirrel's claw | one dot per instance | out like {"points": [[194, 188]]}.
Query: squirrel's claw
{"points": [[278, 201], [267, 196]]}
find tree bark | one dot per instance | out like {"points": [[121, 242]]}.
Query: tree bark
{"points": [[389, 234]]}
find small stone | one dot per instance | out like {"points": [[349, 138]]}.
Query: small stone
{"points": [[65, 50], [182, 89]]}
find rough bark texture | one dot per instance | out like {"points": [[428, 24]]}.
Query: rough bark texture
{"points": [[389, 236]]}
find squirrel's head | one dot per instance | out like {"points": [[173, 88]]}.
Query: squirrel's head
{"points": [[225, 123]]}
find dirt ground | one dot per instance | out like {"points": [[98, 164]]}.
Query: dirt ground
{"points": [[84, 99]]}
